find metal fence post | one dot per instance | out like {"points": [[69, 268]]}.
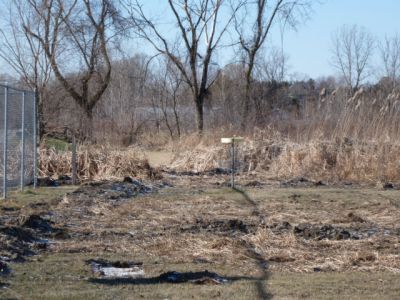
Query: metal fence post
{"points": [[35, 154], [5, 158], [23, 143]]}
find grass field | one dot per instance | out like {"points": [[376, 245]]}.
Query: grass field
{"points": [[269, 241]]}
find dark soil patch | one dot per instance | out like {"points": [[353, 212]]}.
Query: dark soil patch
{"points": [[26, 236], [4, 269], [173, 277], [37, 223], [229, 226], [47, 182], [44, 227], [310, 231], [16, 242], [388, 186], [254, 183], [281, 227], [211, 172], [205, 277], [107, 191], [330, 232], [20, 234], [302, 182]]}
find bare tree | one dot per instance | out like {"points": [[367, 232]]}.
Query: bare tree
{"points": [[24, 54], [390, 56], [165, 87], [253, 34], [352, 50], [196, 21], [74, 34], [120, 103], [273, 67]]}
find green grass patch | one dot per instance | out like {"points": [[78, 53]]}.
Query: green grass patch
{"points": [[66, 276], [16, 198], [57, 144]]}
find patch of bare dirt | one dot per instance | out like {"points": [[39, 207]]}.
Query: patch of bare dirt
{"points": [[331, 232], [229, 226], [24, 236]]}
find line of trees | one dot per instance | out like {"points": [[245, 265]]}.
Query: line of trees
{"points": [[79, 56]]}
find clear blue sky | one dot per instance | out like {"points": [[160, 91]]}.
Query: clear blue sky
{"points": [[309, 47]]}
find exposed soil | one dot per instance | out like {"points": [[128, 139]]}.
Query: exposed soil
{"points": [[24, 236], [330, 232], [224, 227], [205, 277]]}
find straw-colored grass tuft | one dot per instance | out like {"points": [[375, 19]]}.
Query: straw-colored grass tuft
{"points": [[96, 163]]}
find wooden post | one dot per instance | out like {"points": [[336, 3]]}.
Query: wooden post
{"points": [[73, 160]]}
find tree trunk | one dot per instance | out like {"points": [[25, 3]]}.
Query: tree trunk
{"points": [[87, 130], [246, 104], [40, 122], [177, 122], [199, 114]]}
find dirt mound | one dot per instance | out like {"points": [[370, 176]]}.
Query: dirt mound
{"points": [[112, 190], [101, 197], [26, 236]]}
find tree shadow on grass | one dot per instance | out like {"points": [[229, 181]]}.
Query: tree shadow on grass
{"points": [[173, 278], [261, 262]]}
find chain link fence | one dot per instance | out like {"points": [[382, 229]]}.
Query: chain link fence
{"points": [[18, 151]]}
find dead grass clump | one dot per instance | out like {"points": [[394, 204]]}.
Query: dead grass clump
{"points": [[279, 158], [199, 159], [362, 162], [96, 163]]}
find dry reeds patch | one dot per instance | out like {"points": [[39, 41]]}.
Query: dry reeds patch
{"points": [[96, 163], [335, 138]]}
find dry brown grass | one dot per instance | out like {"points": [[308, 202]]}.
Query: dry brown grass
{"points": [[96, 163], [318, 160], [184, 226], [337, 138]]}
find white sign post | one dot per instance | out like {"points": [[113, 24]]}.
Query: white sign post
{"points": [[232, 141]]}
